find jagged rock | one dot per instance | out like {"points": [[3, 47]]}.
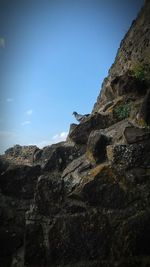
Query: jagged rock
{"points": [[129, 156], [74, 172], [144, 112], [57, 156], [103, 190], [4, 164], [72, 127], [21, 154], [79, 213], [17, 184], [135, 134], [83, 237], [81, 133], [96, 146], [19, 181], [35, 246], [134, 48], [49, 194], [127, 84]]}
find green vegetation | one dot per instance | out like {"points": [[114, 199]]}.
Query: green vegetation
{"points": [[122, 111], [141, 71]]}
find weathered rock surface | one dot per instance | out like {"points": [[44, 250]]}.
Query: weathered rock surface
{"points": [[135, 134], [144, 112], [96, 146], [86, 201], [81, 132], [57, 156], [134, 48]]}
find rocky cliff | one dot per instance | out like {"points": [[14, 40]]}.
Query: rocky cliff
{"points": [[86, 201]]}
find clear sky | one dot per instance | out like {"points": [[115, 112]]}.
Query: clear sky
{"points": [[54, 55]]}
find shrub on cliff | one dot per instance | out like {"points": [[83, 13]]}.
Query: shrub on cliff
{"points": [[122, 111]]}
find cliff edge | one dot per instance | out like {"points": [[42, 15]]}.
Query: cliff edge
{"points": [[85, 202]]}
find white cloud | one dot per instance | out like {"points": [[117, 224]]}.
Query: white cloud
{"points": [[60, 137], [25, 123], [55, 139], [29, 112], [9, 100], [43, 143]]}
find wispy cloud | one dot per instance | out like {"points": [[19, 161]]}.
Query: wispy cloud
{"points": [[43, 143], [9, 100], [60, 137], [25, 123], [29, 112], [55, 139]]}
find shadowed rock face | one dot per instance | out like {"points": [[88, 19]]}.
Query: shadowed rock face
{"points": [[86, 201], [134, 48]]}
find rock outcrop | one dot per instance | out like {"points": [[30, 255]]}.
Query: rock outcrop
{"points": [[86, 201]]}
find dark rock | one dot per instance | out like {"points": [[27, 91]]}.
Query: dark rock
{"points": [[49, 194], [34, 246], [136, 234], [19, 181], [97, 121], [96, 146], [129, 53], [57, 156], [79, 237], [104, 191], [144, 113], [74, 172], [129, 156], [17, 185], [127, 84], [134, 134], [21, 154]]}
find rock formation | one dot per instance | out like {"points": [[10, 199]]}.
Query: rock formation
{"points": [[86, 202]]}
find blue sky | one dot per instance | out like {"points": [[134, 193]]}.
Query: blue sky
{"points": [[54, 56]]}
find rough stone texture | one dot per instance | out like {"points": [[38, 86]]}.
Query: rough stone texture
{"points": [[57, 156], [50, 191], [134, 48], [17, 185], [21, 154], [96, 146], [144, 112], [135, 134], [82, 131], [126, 84], [127, 156], [66, 209]]}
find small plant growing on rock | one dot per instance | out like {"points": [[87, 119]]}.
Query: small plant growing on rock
{"points": [[122, 111], [141, 71]]}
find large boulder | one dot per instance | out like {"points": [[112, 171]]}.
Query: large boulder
{"points": [[135, 134], [128, 84], [129, 156], [49, 194], [81, 132], [21, 154], [17, 184], [74, 172], [96, 146], [57, 156]]}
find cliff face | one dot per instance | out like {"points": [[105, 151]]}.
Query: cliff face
{"points": [[86, 201], [134, 48]]}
